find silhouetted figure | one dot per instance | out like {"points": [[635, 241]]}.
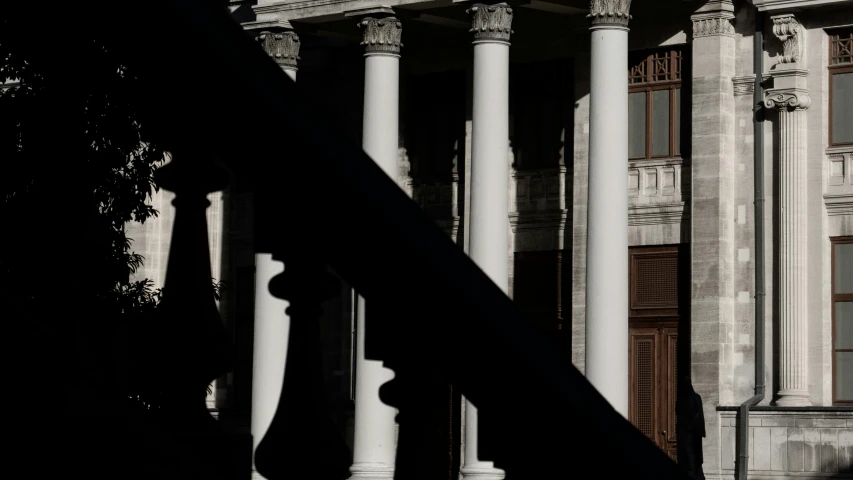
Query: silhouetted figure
{"points": [[690, 429]]}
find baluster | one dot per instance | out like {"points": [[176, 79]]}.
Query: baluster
{"points": [[183, 347], [303, 440], [197, 348]]}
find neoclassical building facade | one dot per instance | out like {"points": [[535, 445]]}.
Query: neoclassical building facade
{"points": [[664, 188]]}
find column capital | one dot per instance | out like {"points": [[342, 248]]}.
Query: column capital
{"points": [[787, 99], [790, 91], [282, 46], [788, 29], [381, 35], [491, 22], [714, 18], [614, 13]]}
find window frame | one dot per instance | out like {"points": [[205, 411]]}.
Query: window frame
{"points": [[836, 69], [835, 298], [649, 85]]}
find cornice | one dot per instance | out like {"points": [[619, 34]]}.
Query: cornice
{"points": [[331, 9], [775, 5]]}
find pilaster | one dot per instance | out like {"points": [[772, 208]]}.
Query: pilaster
{"points": [[713, 214], [790, 98]]}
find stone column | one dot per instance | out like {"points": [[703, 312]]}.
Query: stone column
{"points": [[607, 214], [269, 352], [375, 428], [790, 98], [489, 203], [712, 245]]}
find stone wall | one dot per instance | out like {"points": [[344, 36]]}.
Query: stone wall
{"points": [[791, 444]]}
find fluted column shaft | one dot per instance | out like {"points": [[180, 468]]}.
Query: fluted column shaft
{"points": [[607, 214], [489, 204], [791, 100], [374, 445], [792, 257]]}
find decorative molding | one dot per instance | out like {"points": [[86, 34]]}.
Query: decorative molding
{"points": [[554, 219], [657, 214], [789, 98], [491, 22], [283, 47], [790, 32], [382, 35], [715, 17], [404, 172], [272, 25], [772, 5], [838, 204], [745, 85], [609, 12], [706, 27]]}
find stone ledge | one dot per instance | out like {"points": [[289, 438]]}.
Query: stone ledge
{"points": [[837, 409], [657, 213], [838, 204], [546, 219]]}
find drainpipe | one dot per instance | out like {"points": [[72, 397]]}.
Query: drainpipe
{"points": [[758, 158]]}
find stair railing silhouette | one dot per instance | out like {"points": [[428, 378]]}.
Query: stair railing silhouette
{"points": [[205, 83]]}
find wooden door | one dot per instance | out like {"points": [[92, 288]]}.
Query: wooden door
{"points": [[653, 385], [653, 331]]}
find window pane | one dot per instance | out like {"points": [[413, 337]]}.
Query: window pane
{"points": [[842, 108], [637, 125], [676, 127], [844, 268], [844, 376], [844, 325], [660, 122]]}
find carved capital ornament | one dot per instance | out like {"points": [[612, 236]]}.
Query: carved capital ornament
{"points": [[790, 32], [609, 12], [704, 27], [793, 99], [382, 35], [491, 22], [283, 47]]}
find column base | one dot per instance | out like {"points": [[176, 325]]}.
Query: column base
{"points": [[482, 471], [371, 471], [793, 398]]}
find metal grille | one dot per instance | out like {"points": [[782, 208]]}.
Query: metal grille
{"points": [[645, 381], [657, 281], [841, 48]]}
